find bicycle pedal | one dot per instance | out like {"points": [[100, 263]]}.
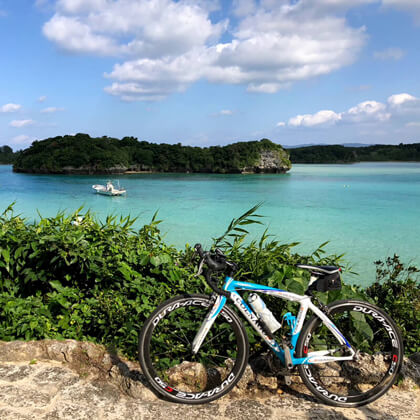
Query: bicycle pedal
{"points": [[287, 380]]}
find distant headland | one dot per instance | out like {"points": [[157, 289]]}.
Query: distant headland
{"points": [[346, 154], [82, 154]]}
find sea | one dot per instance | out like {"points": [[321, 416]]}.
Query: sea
{"points": [[368, 211]]}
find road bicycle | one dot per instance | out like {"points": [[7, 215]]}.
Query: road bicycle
{"points": [[194, 348]]}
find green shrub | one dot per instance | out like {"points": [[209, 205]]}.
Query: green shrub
{"points": [[71, 276], [397, 291]]}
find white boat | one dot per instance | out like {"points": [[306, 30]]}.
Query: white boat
{"points": [[109, 189]]}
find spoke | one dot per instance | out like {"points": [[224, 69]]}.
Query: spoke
{"points": [[168, 353], [179, 338], [220, 333], [366, 340], [188, 341], [214, 355], [186, 338]]}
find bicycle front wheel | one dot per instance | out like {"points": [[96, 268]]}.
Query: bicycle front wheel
{"points": [[165, 351], [379, 353]]}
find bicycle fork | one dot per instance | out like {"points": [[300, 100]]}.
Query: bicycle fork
{"points": [[207, 323]]}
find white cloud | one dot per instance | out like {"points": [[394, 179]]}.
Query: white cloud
{"points": [[51, 109], [10, 107], [165, 45], [79, 6], [136, 92], [266, 87], [391, 53], [400, 99], [410, 6], [364, 112], [244, 7], [325, 117], [280, 124], [323, 5], [413, 124], [74, 36], [42, 98], [21, 123], [142, 28], [226, 112], [367, 111]]}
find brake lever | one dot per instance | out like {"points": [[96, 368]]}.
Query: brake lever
{"points": [[200, 268], [219, 252]]}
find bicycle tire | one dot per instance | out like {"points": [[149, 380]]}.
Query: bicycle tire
{"points": [[375, 337], [165, 351]]}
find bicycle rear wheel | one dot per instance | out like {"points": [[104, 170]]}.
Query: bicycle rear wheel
{"points": [[379, 353], [168, 363]]}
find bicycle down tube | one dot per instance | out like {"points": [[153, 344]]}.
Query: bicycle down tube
{"points": [[232, 286]]}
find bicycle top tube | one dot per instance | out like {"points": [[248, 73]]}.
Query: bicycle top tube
{"points": [[231, 285]]}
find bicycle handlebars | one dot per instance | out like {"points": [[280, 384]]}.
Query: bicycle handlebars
{"points": [[215, 262]]}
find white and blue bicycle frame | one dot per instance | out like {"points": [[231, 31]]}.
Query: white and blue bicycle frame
{"points": [[296, 323]]}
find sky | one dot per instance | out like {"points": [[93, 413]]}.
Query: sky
{"points": [[211, 72]]}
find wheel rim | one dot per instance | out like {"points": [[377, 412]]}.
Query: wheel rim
{"points": [[171, 363], [377, 359]]}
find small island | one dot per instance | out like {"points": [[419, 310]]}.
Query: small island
{"points": [[82, 154]]}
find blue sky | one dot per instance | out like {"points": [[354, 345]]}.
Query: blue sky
{"points": [[206, 72]]}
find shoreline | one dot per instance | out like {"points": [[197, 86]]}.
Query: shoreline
{"points": [[131, 172]]}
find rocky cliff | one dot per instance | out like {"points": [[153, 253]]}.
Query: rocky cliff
{"points": [[270, 161]]}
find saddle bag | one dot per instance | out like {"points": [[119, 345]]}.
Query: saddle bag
{"points": [[328, 282]]}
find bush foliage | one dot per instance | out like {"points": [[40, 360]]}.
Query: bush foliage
{"points": [[396, 289], [72, 276]]}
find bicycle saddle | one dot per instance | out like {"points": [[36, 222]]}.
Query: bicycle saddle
{"points": [[321, 269]]}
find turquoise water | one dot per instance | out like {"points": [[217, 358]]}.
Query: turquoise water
{"points": [[367, 210]]}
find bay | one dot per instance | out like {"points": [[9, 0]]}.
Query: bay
{"points": [[368, 210]]}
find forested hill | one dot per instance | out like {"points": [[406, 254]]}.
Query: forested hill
{"points": [[6, 155], [342, 154], [83, 154]]}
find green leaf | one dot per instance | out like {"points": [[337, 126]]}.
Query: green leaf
{"points": [[55, 284]]}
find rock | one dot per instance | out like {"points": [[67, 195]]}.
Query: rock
{"points": [[248, 378], [19, 351], [415, 358], [188, 376], [269, 382], [12, 373], [410, 374]]}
